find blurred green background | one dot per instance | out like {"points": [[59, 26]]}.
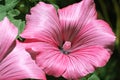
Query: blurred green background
{"points": [[108, 10]]}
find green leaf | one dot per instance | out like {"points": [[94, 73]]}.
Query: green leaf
{"points": [[2, 15], [52, 1], [10, 1], [56, 6], [19, 24], [9, 4], [13, 12], [86, 77], [93, 77]]}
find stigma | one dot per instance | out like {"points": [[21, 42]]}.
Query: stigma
{"points": [[66, 46]]}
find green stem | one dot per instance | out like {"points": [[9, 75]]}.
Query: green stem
{"points": [[104, 10], [117, 11]]}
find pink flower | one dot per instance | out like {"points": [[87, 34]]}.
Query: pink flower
{"points": [[15, 62], [70, 42]]}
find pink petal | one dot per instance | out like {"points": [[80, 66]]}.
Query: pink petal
{"points": [[50, 58], [52, 62], [85, 61], [78, 14], [42, 23], [19, 65], [8, 33], [97, 32], [79, 63]]}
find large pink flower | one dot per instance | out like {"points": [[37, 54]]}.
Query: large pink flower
{"points": [[15, 62], [70, 42]]}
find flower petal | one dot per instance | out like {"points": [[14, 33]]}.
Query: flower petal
{"points": [[8, 33], [79, 63], [49, 58], [98, 32], [52, 62], [78, 14], [42, 23], [19, 65], [85, 61]]}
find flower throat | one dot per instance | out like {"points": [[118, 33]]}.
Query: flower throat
{"points": [[65, 47]]}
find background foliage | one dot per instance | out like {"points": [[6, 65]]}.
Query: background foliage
{"points": [[108, 10]]}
